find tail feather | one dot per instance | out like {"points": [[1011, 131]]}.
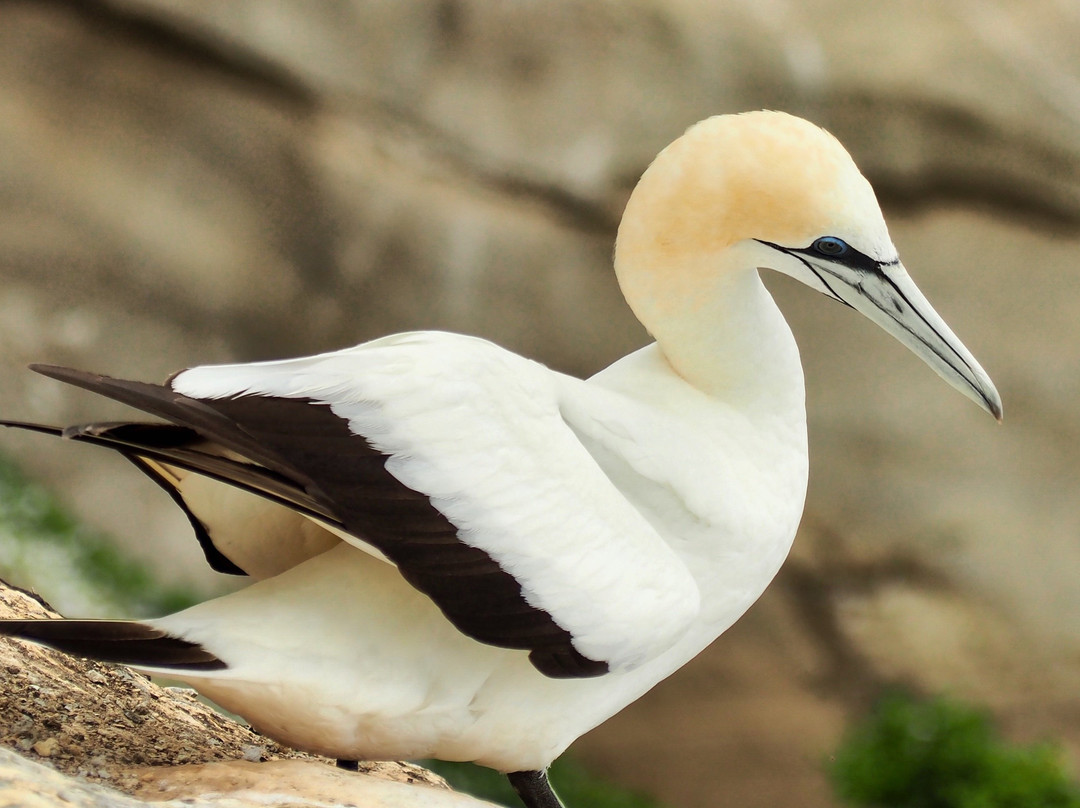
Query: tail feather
{"points": [[125, 641], [166, 452]]}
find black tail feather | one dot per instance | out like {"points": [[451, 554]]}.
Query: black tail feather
{"points": [[154, 446], [184, 448], [125, 641]]}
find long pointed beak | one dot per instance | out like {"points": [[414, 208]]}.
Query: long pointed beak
{"points": [[892, 300]]}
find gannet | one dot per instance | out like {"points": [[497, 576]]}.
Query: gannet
{"points": [[458, 553]]}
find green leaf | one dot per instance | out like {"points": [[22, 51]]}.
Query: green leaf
{"points": [[941, 753], [77, 569]]}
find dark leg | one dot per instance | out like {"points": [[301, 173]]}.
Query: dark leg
{"points": [[349, 765], [534, 789]]}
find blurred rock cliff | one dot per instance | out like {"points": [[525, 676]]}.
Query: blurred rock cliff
{"points": [[184, 182]]}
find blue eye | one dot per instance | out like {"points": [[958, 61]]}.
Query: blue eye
{"points": [[830, 246]]}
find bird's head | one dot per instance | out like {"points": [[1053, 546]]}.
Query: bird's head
{"points": [[767, 190]]}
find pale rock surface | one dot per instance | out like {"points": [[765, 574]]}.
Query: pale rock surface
{"points": [[188, 182], [289, 782], [234, 784]]}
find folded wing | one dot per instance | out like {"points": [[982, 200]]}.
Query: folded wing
{"points": [[453, 460]]}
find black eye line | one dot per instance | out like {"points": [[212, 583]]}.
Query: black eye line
{"points": [[853, 258], [808, 265], [874, 266]]}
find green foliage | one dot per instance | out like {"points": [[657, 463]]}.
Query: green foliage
{"points": [[940, 753], [574, 785], [42, 545]]}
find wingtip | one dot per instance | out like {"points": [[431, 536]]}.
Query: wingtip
{"points": [[44, 368], [30, 426], [59, 372]]}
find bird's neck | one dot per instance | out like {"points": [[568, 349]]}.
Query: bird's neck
{"points": [[728, 339]]}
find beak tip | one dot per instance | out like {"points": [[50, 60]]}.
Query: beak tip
{"points": [[991, 402]]}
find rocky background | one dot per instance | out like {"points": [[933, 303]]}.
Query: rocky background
{"points": [[183, 182]]}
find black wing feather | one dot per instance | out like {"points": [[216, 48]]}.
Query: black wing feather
{"points": [[479, 597], [217, 560], [185, 448]]}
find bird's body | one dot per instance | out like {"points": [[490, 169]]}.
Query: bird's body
{"points": [[360, 635], [459, 553]]}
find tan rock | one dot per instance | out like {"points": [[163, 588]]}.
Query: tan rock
{"points": [[46, 747], [288, 782], [234, 784]]}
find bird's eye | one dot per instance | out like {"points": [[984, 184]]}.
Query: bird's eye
{"points": [[831, 246]]}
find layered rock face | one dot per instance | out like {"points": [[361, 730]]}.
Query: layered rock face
{"points": [[183, 183]]}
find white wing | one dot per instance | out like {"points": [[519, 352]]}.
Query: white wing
{"points": [[480, 433]]}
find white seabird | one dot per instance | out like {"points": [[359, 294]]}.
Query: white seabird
{"points": [[459, 553]]}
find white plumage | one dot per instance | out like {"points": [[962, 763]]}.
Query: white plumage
{"points": [[590, 537], [532, 487]]}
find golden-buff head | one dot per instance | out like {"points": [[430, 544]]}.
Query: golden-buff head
{"points": [[756, 175]]}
